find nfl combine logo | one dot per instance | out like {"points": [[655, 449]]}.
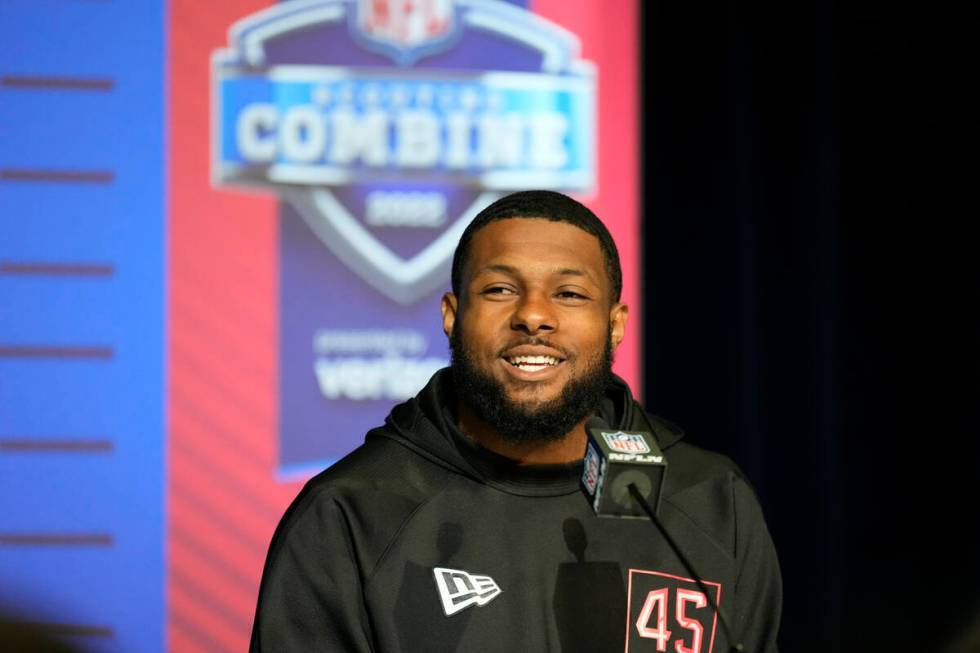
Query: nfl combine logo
{"points": [[496, 100], [626, 442], [384, 127]]}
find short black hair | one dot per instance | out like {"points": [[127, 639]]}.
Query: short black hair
{"points": [[543, 205]]}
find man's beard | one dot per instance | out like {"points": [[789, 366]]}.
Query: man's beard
{"points": [[527, 422]]}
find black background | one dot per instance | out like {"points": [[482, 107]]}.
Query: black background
{"points": [[811, 292]]}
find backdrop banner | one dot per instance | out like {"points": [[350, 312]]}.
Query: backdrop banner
{"points": [[325, 156]]}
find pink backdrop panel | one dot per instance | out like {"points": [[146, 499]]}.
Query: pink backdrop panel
{"points": [[224, 498]]}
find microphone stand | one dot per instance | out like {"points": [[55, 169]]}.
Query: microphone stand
{"points": [[736, 647]]}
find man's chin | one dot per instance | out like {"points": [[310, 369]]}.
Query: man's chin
{"points": [[532, 395], [526, 408]]}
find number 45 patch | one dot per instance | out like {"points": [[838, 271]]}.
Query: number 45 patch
{"points": [[669, 613]]}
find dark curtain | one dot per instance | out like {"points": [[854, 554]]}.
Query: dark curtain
{"points": [[810, 299]]}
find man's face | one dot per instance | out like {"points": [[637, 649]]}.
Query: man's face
{"points": [[535, 320]]}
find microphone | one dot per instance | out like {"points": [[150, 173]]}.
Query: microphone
{"points": [[623, 476], [615, 459]]}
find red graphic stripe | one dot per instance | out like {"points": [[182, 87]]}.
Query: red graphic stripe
{"points": [[58, 176], [222, 484], [55, 445], [56, 539], [223, 478], [225, 332], [224, 537], [222, 312], [247, 579], [31, 268], [231, 499], [216, 376], [197, 614], [55, 351], [227, 415], [232, 438], [187, 638], [237, 293], [210, 586], [59, 83]]}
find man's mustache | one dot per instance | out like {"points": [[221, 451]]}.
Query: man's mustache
{"points": [[534, 341]]}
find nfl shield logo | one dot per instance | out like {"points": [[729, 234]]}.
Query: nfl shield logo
{"points": [[405, 30], [590, 470], [626, 442]]}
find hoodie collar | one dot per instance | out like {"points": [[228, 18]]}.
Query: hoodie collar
{"points": [[427, 424]]}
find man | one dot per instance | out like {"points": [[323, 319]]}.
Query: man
{"points": [[459, 526]]}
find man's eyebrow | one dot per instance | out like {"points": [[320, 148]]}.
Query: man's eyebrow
{"points": [[513, 271], [499, 267]]}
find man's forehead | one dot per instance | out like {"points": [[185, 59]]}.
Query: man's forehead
{"points": [[522, 247], [521, 237]]}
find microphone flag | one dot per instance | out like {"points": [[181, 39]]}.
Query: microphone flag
{"points": [[616, 458]]}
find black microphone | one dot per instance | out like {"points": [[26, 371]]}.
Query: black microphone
{"points": [[623, 476], [613, 460]]}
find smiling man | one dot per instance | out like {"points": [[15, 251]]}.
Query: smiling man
{"points": [[533, 320], [459, 525]]}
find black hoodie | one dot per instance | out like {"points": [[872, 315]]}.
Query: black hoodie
{"points": [[421, 540]]}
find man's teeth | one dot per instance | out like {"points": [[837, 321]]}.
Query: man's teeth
{"points": [[532, 363]]}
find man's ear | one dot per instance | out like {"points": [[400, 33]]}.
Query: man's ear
{"points": [[618, 317], [449, 306]]}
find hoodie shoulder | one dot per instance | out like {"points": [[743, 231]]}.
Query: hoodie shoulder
{"points": [[328, 544], [689, 465], [369, 494], [704, 485], [712, 492], [380, 466]]}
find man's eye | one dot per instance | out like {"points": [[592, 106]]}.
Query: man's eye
{"points": [[571, 294], [498, 290]]}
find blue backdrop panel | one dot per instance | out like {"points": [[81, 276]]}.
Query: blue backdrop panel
{"points": [[82, 319]]}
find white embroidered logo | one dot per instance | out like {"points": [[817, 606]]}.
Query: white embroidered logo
{"points": [[460, 589]]}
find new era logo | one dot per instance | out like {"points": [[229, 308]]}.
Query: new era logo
{"points": [[460, 589]]}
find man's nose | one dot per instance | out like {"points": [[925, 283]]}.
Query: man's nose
{"points": [[533, 314]]}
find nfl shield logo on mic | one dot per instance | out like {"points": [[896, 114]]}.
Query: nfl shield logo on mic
{"points": [[626, 442]]}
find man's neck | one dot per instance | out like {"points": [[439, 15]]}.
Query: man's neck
{"points": [[567, 449]]}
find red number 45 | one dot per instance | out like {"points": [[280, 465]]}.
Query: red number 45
{"points": [[657, 601]]}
